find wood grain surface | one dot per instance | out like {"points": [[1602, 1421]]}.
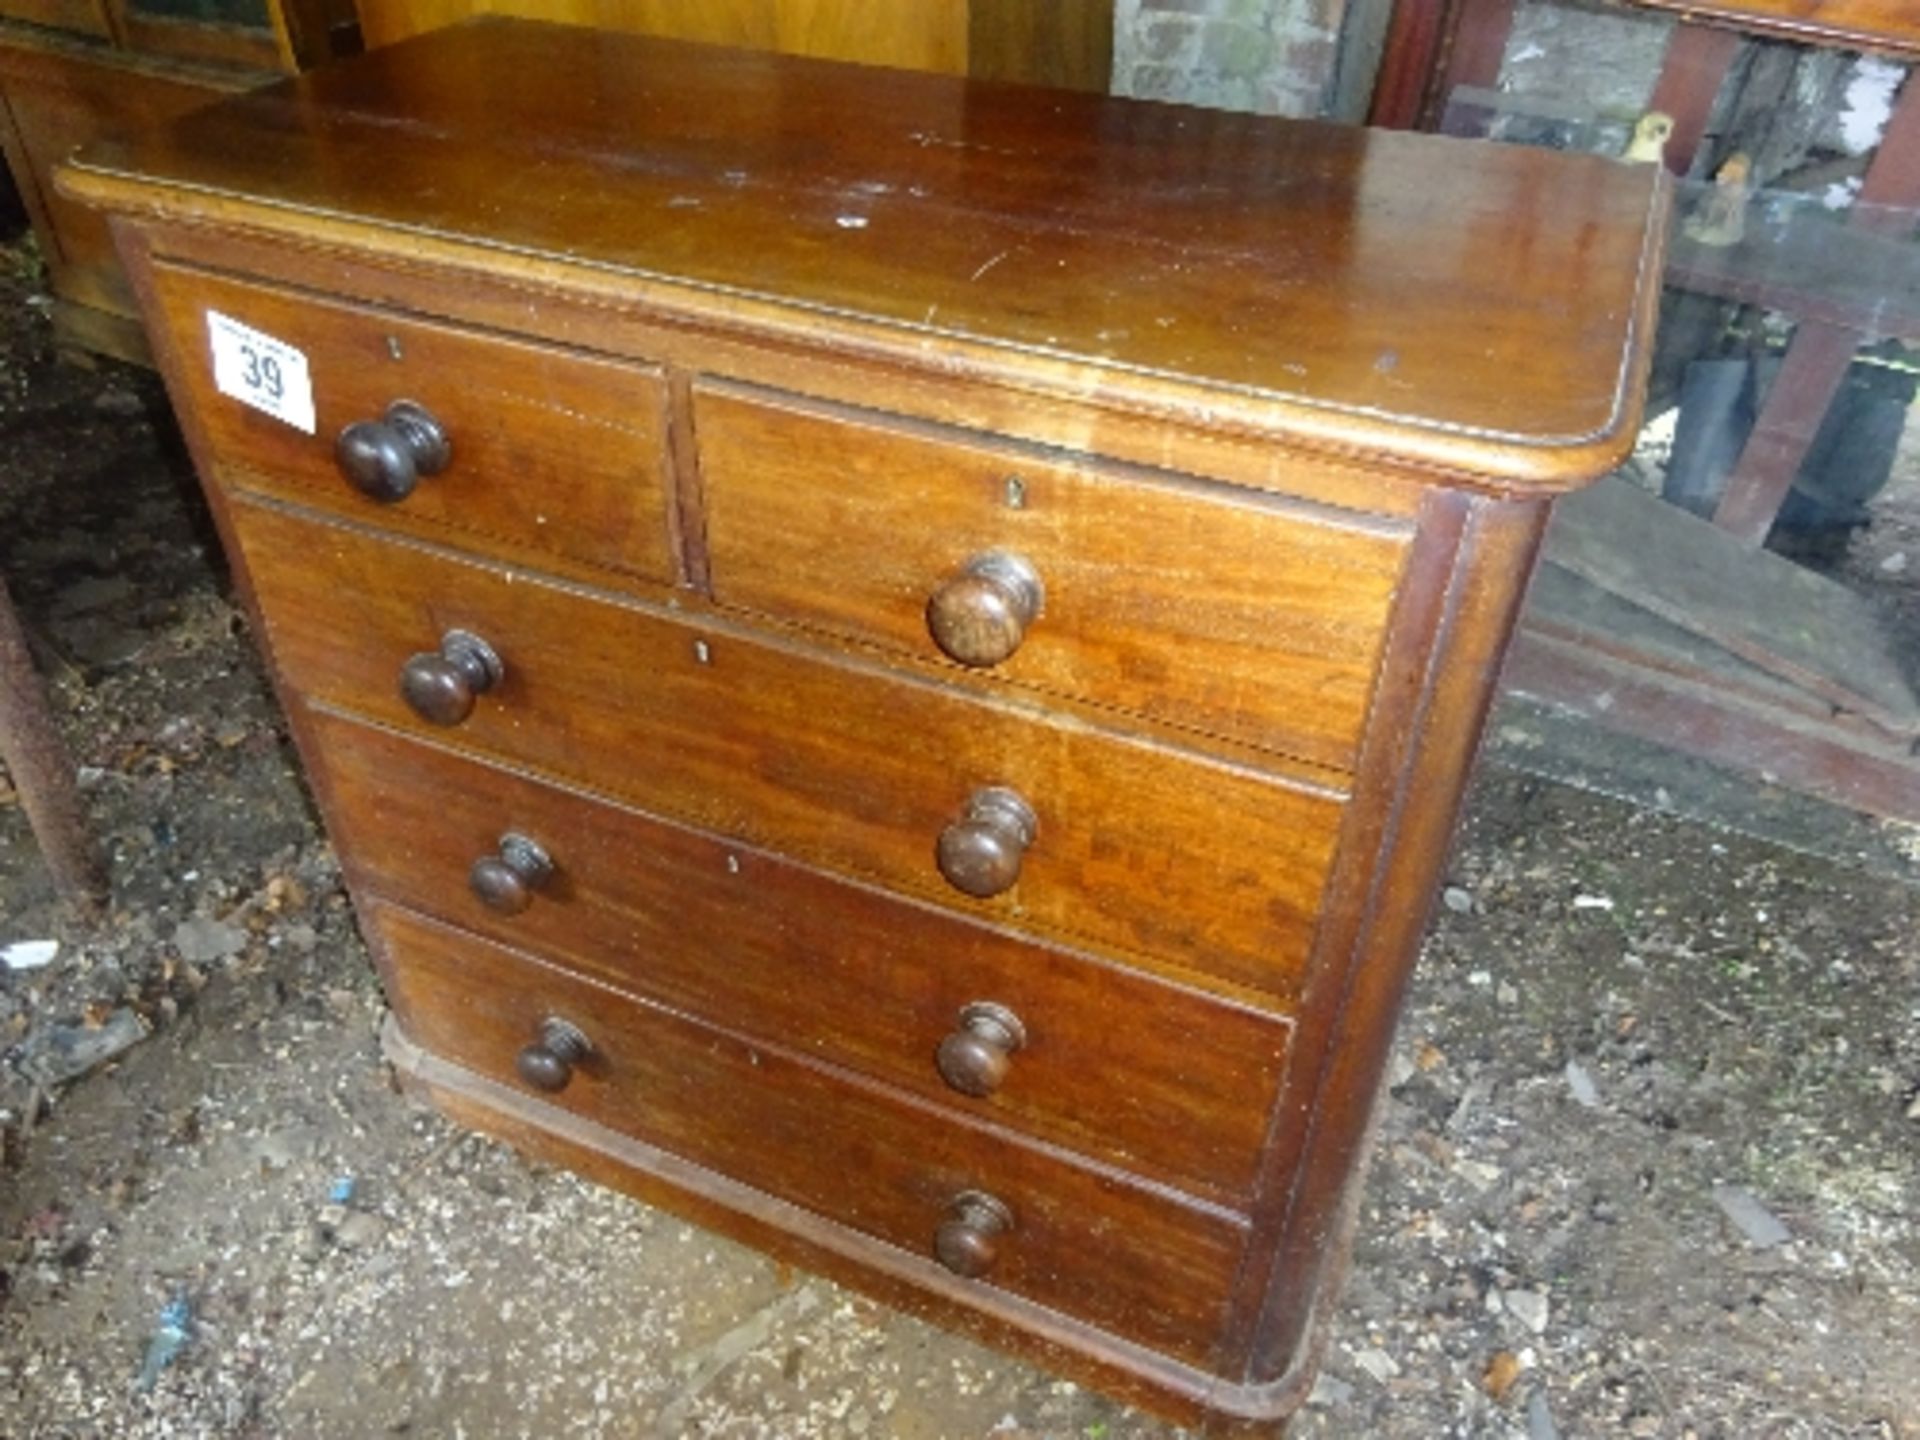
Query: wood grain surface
{"points": [[61, 93], [1067, 43], [1086, 1241], [911, 1283], [554, 453], [622, 317], [1146, 1075], [924, 35], [1142, 852], [1311, 275], [1181, 602], [1417, 766], [1788, 620], [1041, 42]]}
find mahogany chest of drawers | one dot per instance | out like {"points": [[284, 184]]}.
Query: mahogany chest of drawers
{"points": [[891, 660]]}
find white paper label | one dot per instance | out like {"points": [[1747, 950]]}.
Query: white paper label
{"points": [[260, 371]]}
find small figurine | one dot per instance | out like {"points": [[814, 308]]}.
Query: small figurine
{"points": [[1721, 219], [1650, 135]]}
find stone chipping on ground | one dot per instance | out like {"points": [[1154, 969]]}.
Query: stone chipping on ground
{"points": [[1646, 1166]]}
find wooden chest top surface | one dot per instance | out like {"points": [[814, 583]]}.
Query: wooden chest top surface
{"points": [[1301, 267]]}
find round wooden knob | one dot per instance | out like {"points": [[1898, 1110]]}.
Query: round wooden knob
{"points": [[968, 1240], [975, 1058], [981, 615], [548, 1063], [507, 881], [980, 853], [385, 458], [442, 685]]}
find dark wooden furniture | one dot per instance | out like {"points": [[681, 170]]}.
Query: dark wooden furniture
{"points": [[73, 69], [899, 688], [1068, 43]]}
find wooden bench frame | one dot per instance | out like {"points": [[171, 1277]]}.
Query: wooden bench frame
{"points": [[1436, 46]]}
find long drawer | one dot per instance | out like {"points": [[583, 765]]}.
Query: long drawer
{"points": [[1155, 854], [1087, 1242], [552, 456], [1176, 600], [1147, 1075]]}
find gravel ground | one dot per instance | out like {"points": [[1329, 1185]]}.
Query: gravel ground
{"points": [[1648, 1165]]}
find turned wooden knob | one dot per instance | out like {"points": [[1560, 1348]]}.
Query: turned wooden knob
{"points": [[968, 1240], [506, 881], [548, 1063], [981, 615], [980, 853], [975, 1058], [385, 458], [441, 685]]}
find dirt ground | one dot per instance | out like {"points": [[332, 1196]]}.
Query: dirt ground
{"points": [[1648, 1165]]}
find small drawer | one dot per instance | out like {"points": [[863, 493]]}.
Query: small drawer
{"points": [[1083, 1240], [1011, 814], [1150, 1076], [513, 448], [1235, 616]]}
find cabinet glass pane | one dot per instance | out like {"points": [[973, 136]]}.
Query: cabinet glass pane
{"points": [[250, 14]]}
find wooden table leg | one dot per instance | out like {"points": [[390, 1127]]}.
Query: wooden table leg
{"points": [[1817, 358], [41, 770], [1811, 374]]}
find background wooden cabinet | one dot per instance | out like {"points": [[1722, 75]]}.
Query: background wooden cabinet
{"points": [[73, 69], [1045, 42], [81, 17]]}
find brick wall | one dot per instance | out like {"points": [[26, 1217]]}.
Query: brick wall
{"points": [[1273, 57]]}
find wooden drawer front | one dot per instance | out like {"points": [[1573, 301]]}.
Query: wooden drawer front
{"points": [[1232, 617], [553, 453], [1144, 1074], [1086, 1242], [1138, 849]]}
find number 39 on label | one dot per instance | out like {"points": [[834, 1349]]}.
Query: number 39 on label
{"points": [[260, 371]]}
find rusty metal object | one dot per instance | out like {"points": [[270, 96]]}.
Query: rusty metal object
{"points": [[37, 759]]}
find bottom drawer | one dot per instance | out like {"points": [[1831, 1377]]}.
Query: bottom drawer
{"points": [[1090, 1243]]}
